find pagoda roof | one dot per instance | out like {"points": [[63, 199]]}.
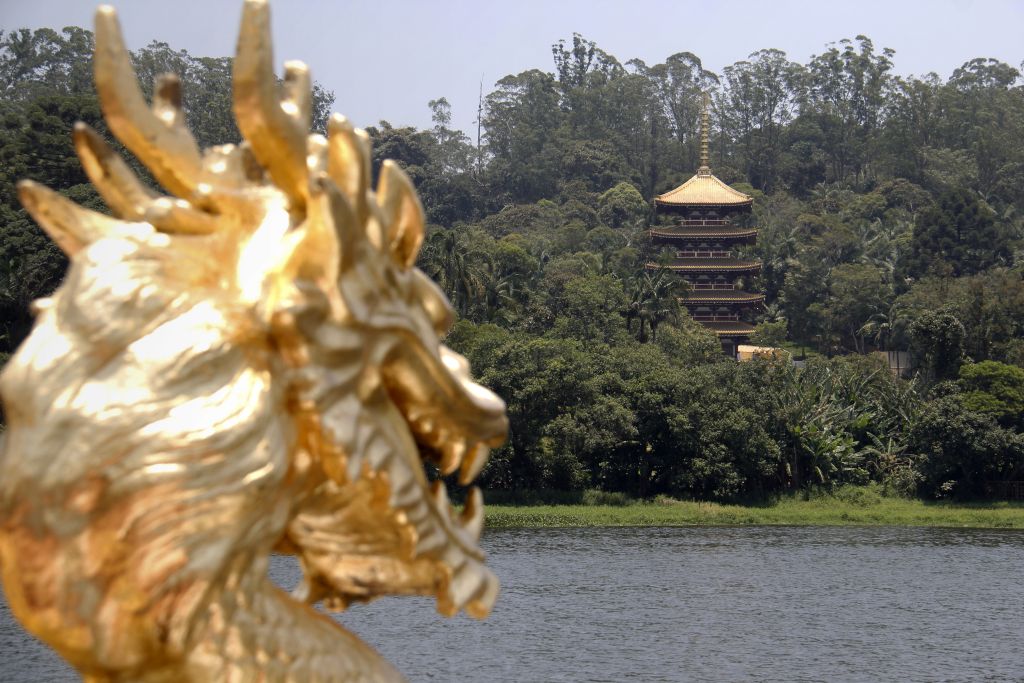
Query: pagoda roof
{"points": [[730, 296], [709, 265], [704, 190], [722, 232], [730, 328]]}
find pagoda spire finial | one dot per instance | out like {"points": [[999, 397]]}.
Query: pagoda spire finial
{"points": [[705, 128]]}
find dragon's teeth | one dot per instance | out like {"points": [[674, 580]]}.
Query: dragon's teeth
{"points": [[480, 606], [303, 590], [452, 456], [439, 492], [472, 463], [472, 517], [466, 584]]}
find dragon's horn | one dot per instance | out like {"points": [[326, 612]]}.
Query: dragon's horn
{"points": [[127, 196], [402, 214], [158, 137], [348, 162], [335, 212], [275, 129], [69, 225], [117, 184], [298, 94]]}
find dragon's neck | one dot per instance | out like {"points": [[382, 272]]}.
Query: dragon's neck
{"points": [[254, 631]]}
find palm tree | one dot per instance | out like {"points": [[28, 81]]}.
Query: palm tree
{"points": [[663, 302], [773, 313], [654, 298], [632, 310], [827, 197], [500, 293], [777, 246], [447, 260], [884, 325]]}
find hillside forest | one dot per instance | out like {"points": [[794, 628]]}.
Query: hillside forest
{"points": [[890, 219]]}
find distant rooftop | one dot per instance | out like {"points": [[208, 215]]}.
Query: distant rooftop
{"points": [[704, 189], [708, 264], [714, 232], [700, 296], [733, 328]]}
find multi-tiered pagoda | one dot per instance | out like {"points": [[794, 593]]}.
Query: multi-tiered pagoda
{"points": [[705, 240]]}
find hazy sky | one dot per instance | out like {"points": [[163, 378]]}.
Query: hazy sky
{"points": [[386, 59]]}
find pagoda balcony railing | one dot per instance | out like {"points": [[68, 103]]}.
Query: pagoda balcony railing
{"points": [[713, 285], [703, 222], [716, 318], [703, 254]]}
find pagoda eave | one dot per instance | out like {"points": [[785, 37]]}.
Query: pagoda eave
{"points": [[668, 236], [711, 265], [687, 207], [704, 191], [732, 328], [732, 297]]}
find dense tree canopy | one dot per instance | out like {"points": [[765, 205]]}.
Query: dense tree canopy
{"points": [[957, 235], [889, 211]]}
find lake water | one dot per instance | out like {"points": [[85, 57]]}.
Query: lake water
{"points": [[701, 604]]}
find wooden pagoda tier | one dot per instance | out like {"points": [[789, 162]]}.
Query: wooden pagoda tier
{"points": [[730, 329], [713, 265], [703, 231], [704, 240], [735, 297]]}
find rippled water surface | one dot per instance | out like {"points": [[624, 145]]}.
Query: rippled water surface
{"points": [[701, 604]]}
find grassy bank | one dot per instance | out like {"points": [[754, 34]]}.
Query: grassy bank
{"points": [[858, 507]]}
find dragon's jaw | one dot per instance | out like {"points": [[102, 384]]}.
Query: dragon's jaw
{"points": [[383, 396], [455, 420], [384, 402]]}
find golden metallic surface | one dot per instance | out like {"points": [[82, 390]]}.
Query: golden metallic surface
{"points": [[251, 365], [703, 189], [705, 133]]}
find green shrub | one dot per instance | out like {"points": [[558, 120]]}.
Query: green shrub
{"points": [[858, 496], [598, 497]]}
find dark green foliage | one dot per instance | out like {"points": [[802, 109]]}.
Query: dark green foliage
{"points": [[758, 103], [858, 293], [939, 338], [965, 452], [769, 333], [653, 298], [409, 147], [676, 418], [995, 389], [621, 205], [957, 236], [803, 293], [522, 123], [848, 419], [889, 212], [35, 143]]}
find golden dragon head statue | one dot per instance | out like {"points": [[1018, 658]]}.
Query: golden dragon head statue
{"points": [[249, 365]]}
